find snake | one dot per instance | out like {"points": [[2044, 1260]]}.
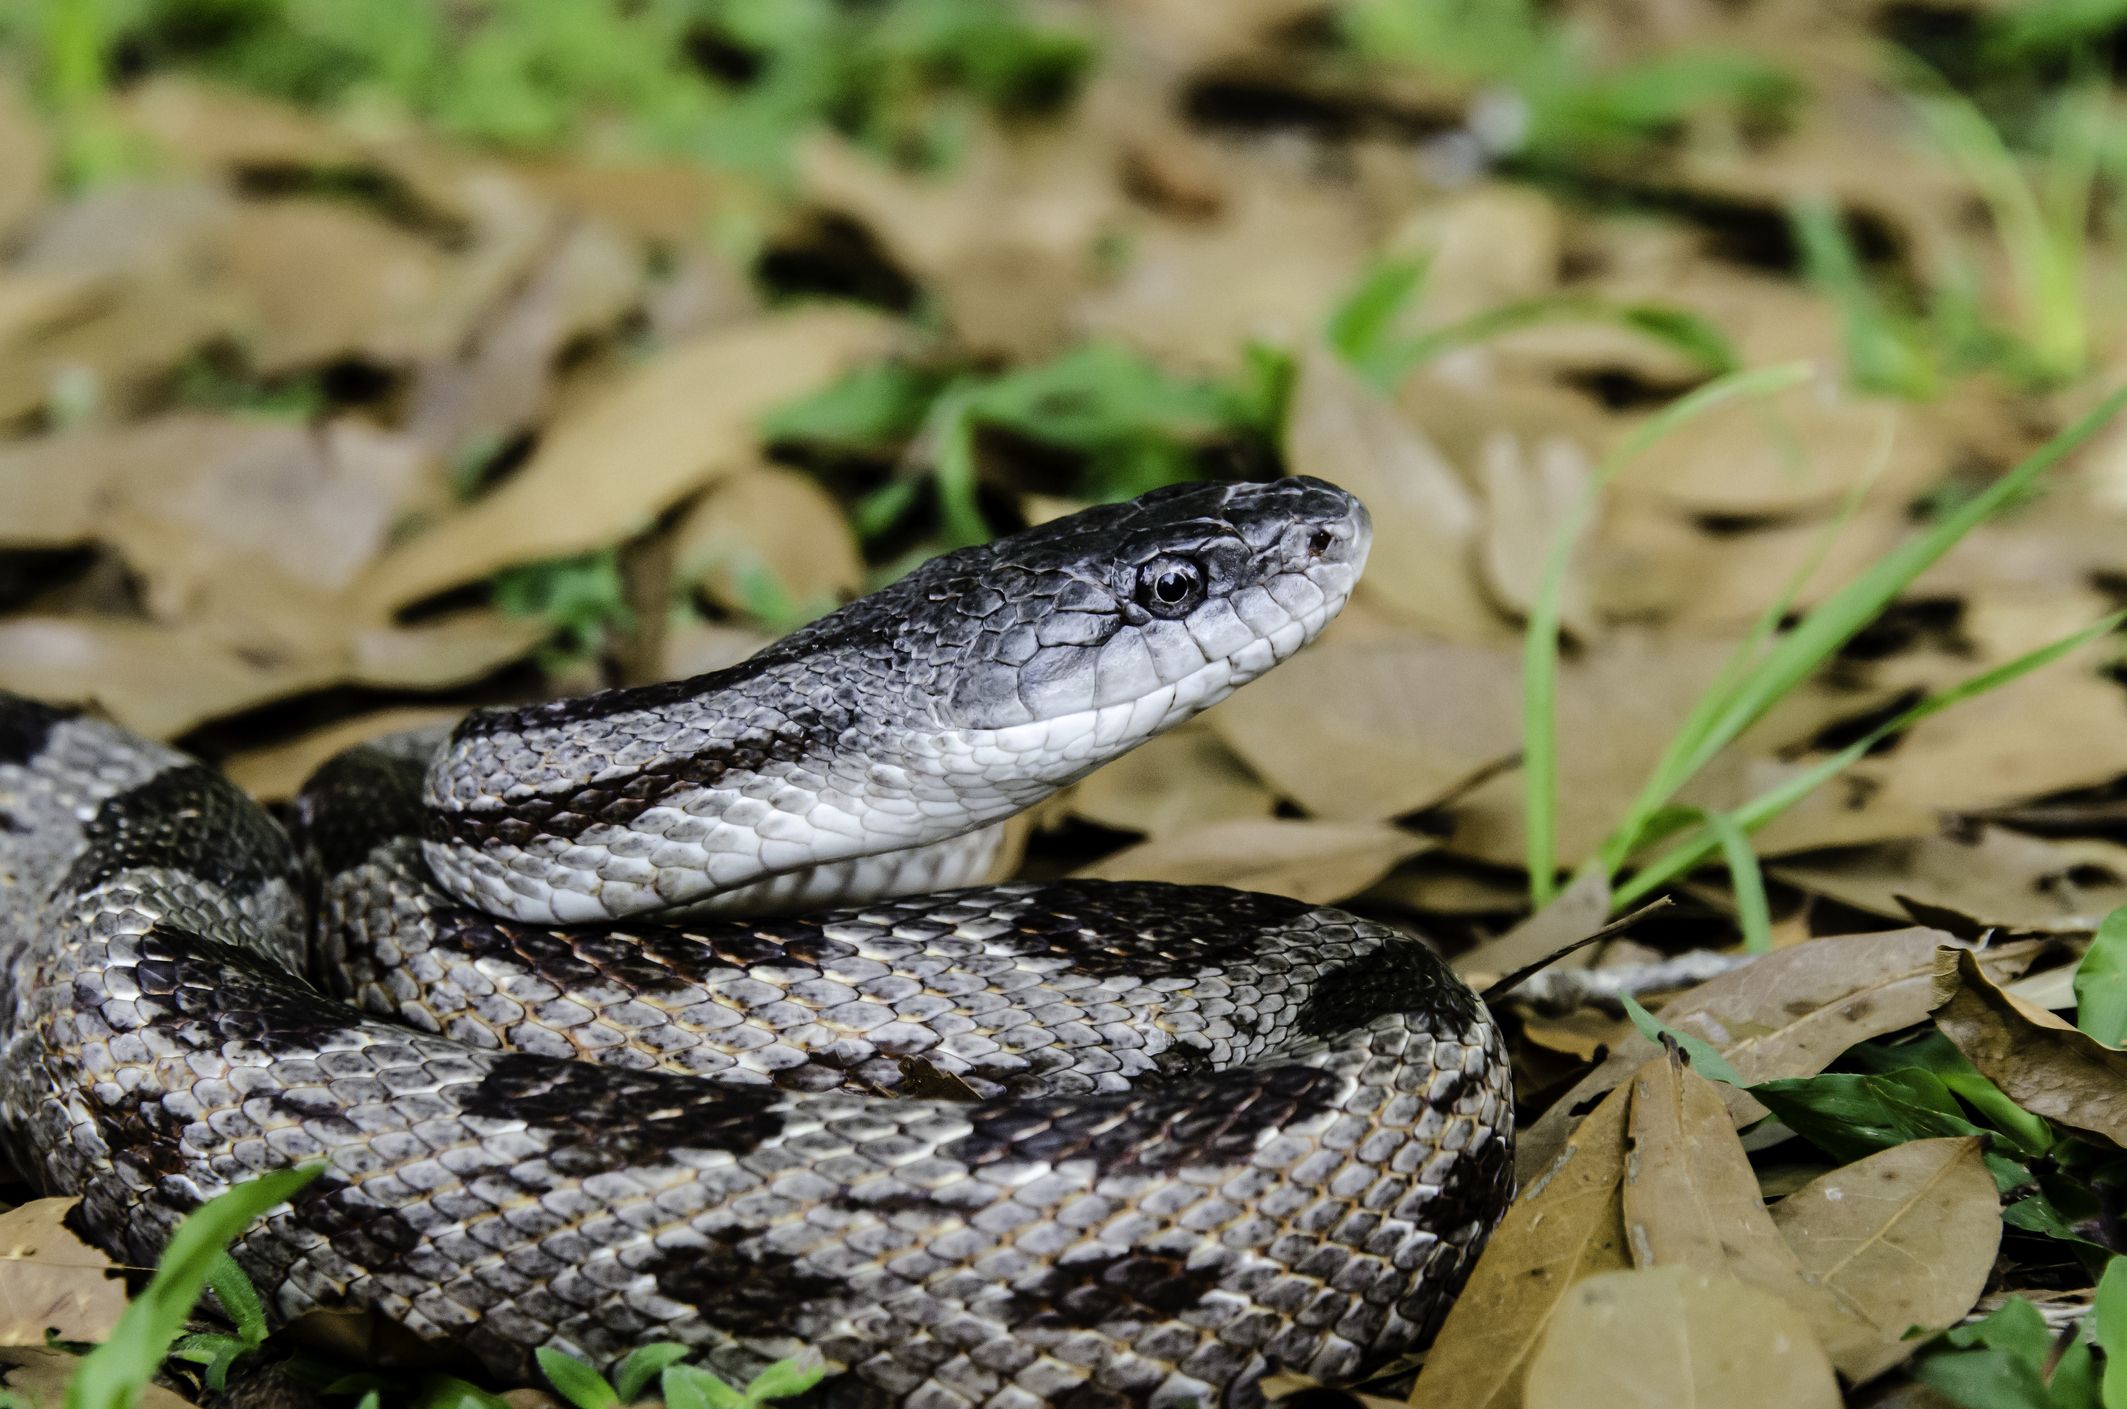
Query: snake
{"points": [[679, 1012]]}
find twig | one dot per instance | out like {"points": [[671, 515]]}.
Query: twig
{"points": [[1616, 927]]}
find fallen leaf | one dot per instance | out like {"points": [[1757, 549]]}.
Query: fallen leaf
{"points": [[1996, 875], [41, 1377], [1531, 495], [604, 472], [1574, 913], [1691, 1199], [1343, 430], [1787, 1013], [1316, 862], [1678, 1338], [385, 282], [1179, 780], [1566, 1224], [2043, 1064], [1903, 1238], [768, 530], [51, 1281], [276, 772], [1373, 729]]}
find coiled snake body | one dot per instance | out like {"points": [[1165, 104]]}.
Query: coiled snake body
{"points": [[1215, 1133]]}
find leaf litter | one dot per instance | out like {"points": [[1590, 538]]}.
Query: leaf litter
{"points": [[337, 404]]}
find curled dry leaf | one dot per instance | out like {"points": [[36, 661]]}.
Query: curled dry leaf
{"points": [[1566, 1224], [1316, 862], [2040, 1062], [278, 771], [51, 1281], [1678, 1338], [605, 471], [164, 680], [1902, 1238], [1373, 729], [1789, 1013], [1574, 913], [1691, 1199], [1177, 781], [1996, 875], [1343, 430], [769, 530]]}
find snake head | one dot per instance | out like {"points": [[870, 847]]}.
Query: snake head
{"points": [[1072, 642]]}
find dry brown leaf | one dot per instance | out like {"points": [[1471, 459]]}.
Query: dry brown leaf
{"points": [[604, 472], [1179, 780], [1788, 1013], [41, 1377], [1574, 913], [385, 282], [1903, 1238], [51, 1281], [1995, 875], [1691, 1199], [25, 156], [1315, 862], [1372, 729], [1566, 1224], [2042, 1063], [276, 772], [1678, 1338], [1426, 518], [769, 529], [162, 680], [1531, 494], [1649, 561]]}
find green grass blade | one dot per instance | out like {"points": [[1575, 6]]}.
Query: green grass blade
{"points": [[113, 1375], [2109, 1324], [1840, 617], [1753, 913], [1540, 639], [1360, 327], [1670, 771], [1775, 800]]}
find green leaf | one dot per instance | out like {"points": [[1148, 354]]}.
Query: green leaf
{"points": [[113, 1375], [2110, 1323], [1361, 327], [871, 408], [787, 1378], [688, 1387], [2101, 982], [1849, 1115], [1706, 1059], [578, 1383], [644, 1364], [239, 1300]]}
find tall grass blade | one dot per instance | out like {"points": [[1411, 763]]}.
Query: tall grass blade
{"points": [[1540, 639], [1777, 799]]}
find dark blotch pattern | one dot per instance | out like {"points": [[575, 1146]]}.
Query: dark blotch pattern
{"points": [[25, 725], [601, 1118], [1399, 977], [188, 819]]}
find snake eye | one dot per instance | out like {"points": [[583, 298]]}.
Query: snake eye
{"points": [[1170, 587]]}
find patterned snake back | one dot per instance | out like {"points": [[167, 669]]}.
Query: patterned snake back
{"points": [[1012, 1145]]}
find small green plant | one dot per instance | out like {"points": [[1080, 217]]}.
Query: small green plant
{"points": [[216, 1351], [732, 81], [582, 598], [1566, 110], [2014, 1360], [113, 1374], [1129, 424], [1766, 666], [682, 1386], [1366, 328]]}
